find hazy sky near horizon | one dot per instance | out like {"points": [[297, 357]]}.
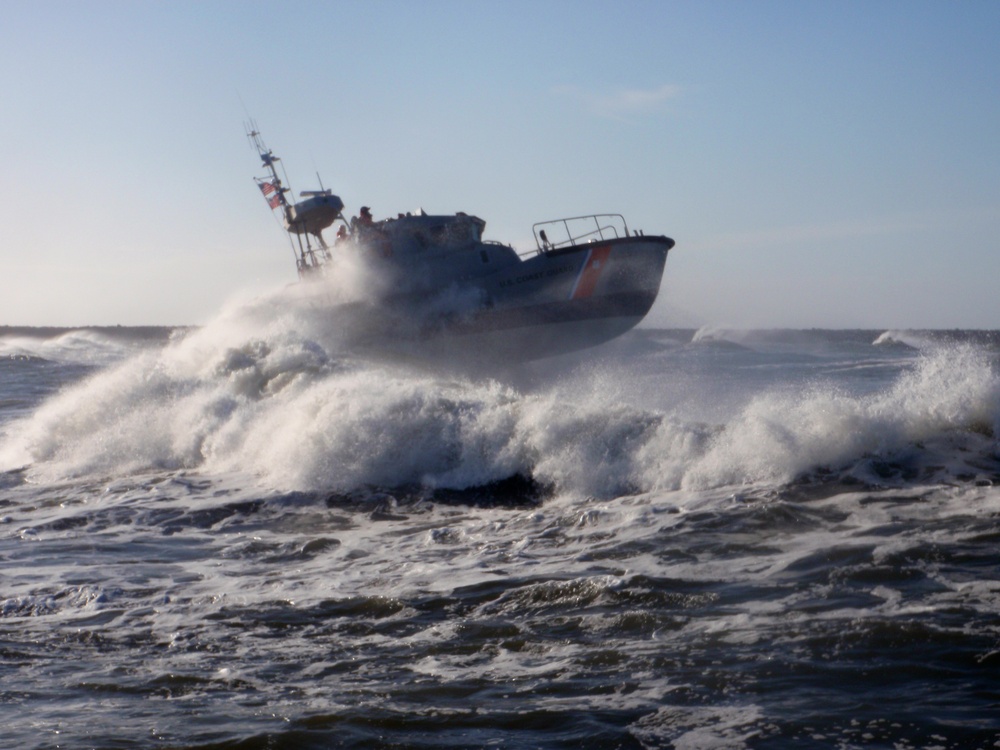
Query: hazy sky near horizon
{"points": [[820, 164]]}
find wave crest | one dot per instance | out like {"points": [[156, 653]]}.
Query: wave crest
{"points": [[272, 389]]}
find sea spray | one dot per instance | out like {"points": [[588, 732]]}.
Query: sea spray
{"points": [[174, 603], [274, 388], [781, 435]]}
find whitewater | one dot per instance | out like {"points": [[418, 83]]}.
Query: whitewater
{"points": [[261, 533]]}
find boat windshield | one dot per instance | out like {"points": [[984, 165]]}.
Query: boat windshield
{"points": [[448, 232]]}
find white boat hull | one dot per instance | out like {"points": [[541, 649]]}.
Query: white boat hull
{"points": [[436, 288], [552, 304]]}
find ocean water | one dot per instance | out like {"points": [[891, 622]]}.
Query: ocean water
{"points": [[248, 535]]}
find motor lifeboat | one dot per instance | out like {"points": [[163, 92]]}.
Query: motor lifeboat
{"points": [[587, 280]]}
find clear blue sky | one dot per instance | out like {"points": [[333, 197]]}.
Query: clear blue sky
{"points": [[820, 164]]}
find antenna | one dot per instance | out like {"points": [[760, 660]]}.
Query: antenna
{"points": [[245, 111], [253, 135]]}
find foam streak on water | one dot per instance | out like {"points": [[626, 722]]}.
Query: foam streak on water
{"points": [[252, 536]]}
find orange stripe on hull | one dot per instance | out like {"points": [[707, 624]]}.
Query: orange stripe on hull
{"points": [[586, 282]]}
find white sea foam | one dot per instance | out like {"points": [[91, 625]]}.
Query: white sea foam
{"points": [[81, 346], [592, 604], [780, 435], [912, 339], [273, 388]]}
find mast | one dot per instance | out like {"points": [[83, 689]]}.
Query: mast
{"points": [[309, 217], [272, 188]]}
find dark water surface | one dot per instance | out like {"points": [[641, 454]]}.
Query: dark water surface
{"points": [[696, 540]]}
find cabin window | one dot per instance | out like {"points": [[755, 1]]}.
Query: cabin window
{"points": [[453, 235], [484, 256]]}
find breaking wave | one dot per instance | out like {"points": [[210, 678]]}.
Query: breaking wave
{"points": [[274, 389], [77, 346], [910, 339]]}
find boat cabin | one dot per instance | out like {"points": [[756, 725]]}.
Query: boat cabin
{"points": [[449, 247]]}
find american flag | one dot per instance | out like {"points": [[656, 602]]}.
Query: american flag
{"points": [[267, 188]]}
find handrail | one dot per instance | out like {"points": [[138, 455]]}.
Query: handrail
{"points": [[588, 232]]}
